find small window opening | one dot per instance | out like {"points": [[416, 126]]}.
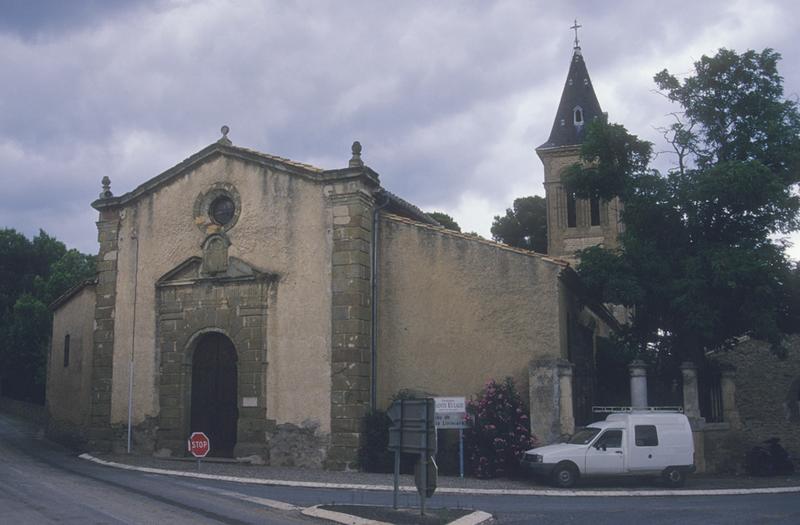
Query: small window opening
{"points": [[66, 350], [572, 219], [578, 116], [594, 211]]}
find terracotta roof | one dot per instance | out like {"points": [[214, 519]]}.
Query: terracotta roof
{"points": [[451, 233], [396, 204]]}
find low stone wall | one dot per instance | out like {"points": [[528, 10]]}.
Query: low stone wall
{"points": [[767, 400], [297, 446]]}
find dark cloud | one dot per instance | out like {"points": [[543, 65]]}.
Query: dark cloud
{"points": [[46, 19], [448, 99]]}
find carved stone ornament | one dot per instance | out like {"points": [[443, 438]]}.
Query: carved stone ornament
{"points": [[215, 254], [203, 218]]}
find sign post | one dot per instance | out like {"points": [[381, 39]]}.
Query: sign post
{"points": [[199, 446], [451, 412], [413, 431]]}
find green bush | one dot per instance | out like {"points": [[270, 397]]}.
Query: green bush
{"points": [[373, 455], [498, 432]]}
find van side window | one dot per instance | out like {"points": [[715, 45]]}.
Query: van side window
{"points": [[611, 439], [646, 436]]}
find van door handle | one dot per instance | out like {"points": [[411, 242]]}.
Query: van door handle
{"points": [[618, 452]]}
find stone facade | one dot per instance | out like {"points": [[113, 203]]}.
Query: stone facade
{"points": [[284, 282], [564, 238], [351, 205], [235, 304], [69, 378], [765, 388]]}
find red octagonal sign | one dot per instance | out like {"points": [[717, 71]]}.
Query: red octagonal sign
{"points": [[199, 444]]}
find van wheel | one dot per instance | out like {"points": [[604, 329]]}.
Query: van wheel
{"points": [[565, 475], [674, 477]]}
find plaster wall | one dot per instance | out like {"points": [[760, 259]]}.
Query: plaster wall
{"points": [[69, 387], [284, 228], [455, 312]]}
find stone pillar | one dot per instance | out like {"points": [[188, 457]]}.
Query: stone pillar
{"points": [[99, 435], [691, 397], [351, 206], [550, 399], [638, 371], [566, 415], [729, 411]]}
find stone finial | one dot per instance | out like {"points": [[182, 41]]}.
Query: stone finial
{"points": [[355, 161], [224, 139], [106, 193]]}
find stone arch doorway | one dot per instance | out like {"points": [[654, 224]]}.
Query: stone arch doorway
{"points": [[214, 392]]}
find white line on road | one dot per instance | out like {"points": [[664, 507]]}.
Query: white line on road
{"points": [[275, 504]]}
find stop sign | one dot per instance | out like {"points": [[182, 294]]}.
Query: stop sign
{"points": [[199, 444]]}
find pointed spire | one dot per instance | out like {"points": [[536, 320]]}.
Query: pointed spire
{"points": [[578, 104]]}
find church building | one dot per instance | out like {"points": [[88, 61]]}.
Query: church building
{"points": [[272, 304]]}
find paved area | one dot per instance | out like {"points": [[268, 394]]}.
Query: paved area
{"points": [[375, 481]]}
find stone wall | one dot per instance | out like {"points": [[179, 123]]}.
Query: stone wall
{"points": [[236, 307], [562, 240], [351, 360], [766, 399], [69, 388], [455, 311], [283, 227]]}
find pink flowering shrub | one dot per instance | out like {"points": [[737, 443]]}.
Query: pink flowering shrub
{"points": [[498, 432]]}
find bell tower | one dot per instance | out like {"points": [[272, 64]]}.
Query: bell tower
{"points": [[574, 224]]}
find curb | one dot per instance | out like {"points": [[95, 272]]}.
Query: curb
{"points": [[475, 518], [450, 490], [339, 517]]}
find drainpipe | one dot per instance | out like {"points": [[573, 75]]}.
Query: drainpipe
{"points": [[373, 394], [134, 237]]}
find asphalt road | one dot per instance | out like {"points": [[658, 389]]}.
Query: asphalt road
{"points": [[43, 483]]}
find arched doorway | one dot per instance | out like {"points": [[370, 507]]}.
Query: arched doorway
{"points": [[214, 392]]}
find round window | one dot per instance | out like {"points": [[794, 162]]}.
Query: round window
{"points": [[222, 210]]}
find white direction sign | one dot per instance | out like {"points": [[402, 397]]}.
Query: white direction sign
{"points": [[451, 412]]}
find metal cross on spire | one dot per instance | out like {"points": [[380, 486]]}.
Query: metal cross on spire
{"points": [[575, 26]]}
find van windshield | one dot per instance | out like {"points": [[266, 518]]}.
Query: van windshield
{"points": [[583, 437]]}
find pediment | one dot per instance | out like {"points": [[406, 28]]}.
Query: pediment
{"points": [[190, 271]]}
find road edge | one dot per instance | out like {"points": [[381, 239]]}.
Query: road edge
{"points": [[450, 490]]}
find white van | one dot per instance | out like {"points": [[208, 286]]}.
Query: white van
{"points": [[633, 444]]}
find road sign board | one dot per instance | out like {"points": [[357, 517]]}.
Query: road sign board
{"points": [[450, 404], [199, 445], [451, 412], [412, 427]]}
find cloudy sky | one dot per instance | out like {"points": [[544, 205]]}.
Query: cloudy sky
{"points": [[449, 99]]}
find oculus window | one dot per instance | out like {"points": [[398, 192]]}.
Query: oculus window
{"points": [[222, 210]]}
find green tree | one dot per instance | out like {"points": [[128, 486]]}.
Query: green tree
{"points": [[445, 220], [524, 225], [32, 274], [699, 259]]}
